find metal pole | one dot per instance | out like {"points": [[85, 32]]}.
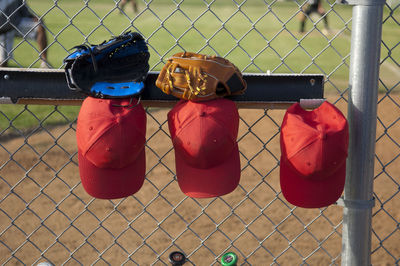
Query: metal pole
{"points": [[362, 108]]}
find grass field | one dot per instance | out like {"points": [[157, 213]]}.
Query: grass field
{"points": [[257, 37]]}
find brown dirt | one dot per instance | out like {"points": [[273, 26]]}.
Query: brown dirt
{"points": [[45, 213]]}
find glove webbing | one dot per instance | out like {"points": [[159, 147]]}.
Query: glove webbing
{"points": [[192, 92]]}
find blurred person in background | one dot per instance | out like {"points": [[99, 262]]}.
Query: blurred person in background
{"points": [[17, 20], [134, 5], [313, 6]]}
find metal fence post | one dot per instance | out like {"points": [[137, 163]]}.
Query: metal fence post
{"points": [[362, 115]]}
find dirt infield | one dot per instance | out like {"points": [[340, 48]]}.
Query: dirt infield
{"points": [[48, 214]]}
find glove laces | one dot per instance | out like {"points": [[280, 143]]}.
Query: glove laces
{"points": [[193, 91]]}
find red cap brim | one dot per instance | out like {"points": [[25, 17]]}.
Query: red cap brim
{"points": [[311, 193], [112, 183], [212, 182]]}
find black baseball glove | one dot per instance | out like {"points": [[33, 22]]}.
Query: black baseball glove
{"points": [[113, 69]]}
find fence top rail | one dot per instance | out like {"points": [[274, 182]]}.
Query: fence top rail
{"points": [[49, 86]]}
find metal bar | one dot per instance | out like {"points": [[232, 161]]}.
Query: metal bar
{"points": [[362, 115], [39, 86], [362, 2]]}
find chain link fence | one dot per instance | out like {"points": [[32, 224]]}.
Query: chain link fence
{"points": [[45, 214]]}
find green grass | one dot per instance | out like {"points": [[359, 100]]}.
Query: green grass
{"points": [[252, 37], [19, 118], [256, 37]]}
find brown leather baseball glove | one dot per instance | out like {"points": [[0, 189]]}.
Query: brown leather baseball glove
{"points": [[198, 77]]}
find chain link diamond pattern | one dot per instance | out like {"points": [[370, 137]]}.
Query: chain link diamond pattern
{"points": [[45, 214]]}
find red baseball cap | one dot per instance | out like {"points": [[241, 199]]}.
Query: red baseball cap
{"points": [[313, 155], [206, 151], [111, 134]]}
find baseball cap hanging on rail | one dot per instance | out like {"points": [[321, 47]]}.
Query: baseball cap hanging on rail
{"points": [[111, 136], [314, 147], [206, 151]]}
